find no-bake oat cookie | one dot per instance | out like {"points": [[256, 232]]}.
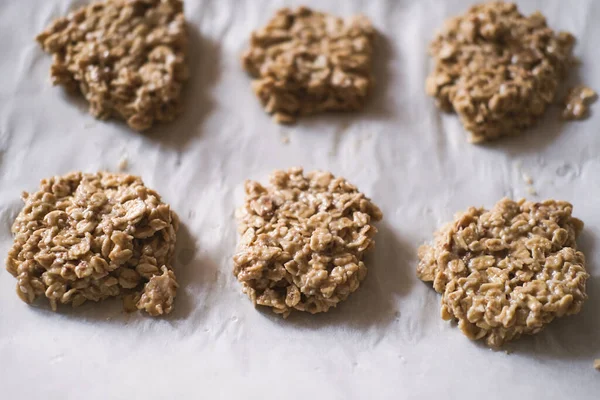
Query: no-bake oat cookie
{"points": [[87, 237], [498, 69], [507, 271], [303, 241], [306, 62], [127, 57]]}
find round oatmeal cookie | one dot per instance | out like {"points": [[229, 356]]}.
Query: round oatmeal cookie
{"points": [[498, 69], [507, 271], [303, 241], [92, 236]]}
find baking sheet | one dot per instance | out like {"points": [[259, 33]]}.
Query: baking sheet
{"points": [[387, 340]]}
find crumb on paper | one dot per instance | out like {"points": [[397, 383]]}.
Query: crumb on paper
{"points": [[577, 101], [285, 139], [123, 163], [526, 178]]}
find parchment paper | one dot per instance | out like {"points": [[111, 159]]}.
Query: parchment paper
{"points": [[387, 341]]}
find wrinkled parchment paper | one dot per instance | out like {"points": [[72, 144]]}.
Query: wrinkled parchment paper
{"points": [[387, 341]]}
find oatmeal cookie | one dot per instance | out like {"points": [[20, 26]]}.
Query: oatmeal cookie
{"points": [[303, 241], [127, 57], [94, 236], [498, 69], [306, 62], [507, 271]]}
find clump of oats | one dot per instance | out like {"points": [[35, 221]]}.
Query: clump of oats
{"points": [[498, 69], [576, 103], [303, 241], [159, 293], [507, 271], [306, 62], [93, 236], [127, 57]]}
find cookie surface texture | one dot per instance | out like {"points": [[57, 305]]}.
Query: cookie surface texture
{"points": [[87, 237], [498, 69], [126, 57], [306, 62], [507, 271], [303, 241]]}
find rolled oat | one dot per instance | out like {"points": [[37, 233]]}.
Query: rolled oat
{"points": [[306, 62], [498, 69], [303, 241], [93, 236], [127, 57], [507, 271], [577, 102]]}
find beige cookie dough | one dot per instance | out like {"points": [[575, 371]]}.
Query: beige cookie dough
{"points": [[87, 237], [127, 58], [507, 271], [498, 69], [303, 241], [306, 62]]}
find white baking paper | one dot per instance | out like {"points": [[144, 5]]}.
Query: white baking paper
{"points": [[387, 341]]}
